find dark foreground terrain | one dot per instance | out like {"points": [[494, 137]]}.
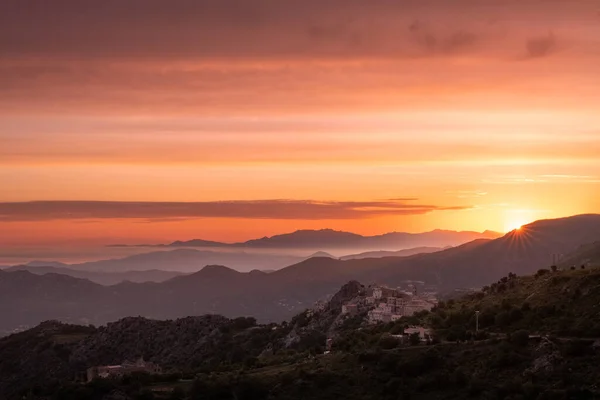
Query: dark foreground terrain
{"points": [[538, 339]]}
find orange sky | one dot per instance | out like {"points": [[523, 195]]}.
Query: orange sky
{"points": [[484, 113]]}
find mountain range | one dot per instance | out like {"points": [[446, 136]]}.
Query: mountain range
{"points": [[399, 253], [103, 278], [329, 239], [27, 299]]}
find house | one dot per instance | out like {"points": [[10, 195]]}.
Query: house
{"points": [[127, 367], [377, 293], [375, 315], [385, 308], [424, 333], [416, 305]]}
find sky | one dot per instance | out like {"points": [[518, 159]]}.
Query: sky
{"points": [[149, 121]]}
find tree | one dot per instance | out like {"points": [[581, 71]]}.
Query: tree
{"points": [[541, 272], [554, 268], [503, 319]]}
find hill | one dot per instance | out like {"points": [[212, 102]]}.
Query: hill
{"points": [[564, 303]]}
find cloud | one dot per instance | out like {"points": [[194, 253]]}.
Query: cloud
{"points": [[165, 211], [425, 36], [257, 28], [541, 46]]}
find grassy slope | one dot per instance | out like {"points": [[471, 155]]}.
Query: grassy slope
{"points": [[565, 303]]}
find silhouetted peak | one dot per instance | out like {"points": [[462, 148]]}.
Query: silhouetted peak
{"points": [[216, 270], [321, 254]]}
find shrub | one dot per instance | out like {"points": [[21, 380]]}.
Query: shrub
{"points": [[541, 272]]}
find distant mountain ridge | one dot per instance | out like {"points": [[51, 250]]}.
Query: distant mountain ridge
{"points": [[103, 278], [399, 253], [184, 260], [331, 239]]}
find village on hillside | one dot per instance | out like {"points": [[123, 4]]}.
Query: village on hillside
{"points": [[378, 304], [384, 304]]}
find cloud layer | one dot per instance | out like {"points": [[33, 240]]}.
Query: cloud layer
{"points": [[260, 209]]}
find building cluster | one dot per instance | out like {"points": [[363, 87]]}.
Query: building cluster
{"points": [[126, 368], [384, 304]]}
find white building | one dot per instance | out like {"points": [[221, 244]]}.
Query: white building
{"points": [[385, 308], [424, 333], [417, 305], [377, 293]]}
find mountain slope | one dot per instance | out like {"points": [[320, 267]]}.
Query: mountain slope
{"points": [[587, 255], [103, 278]]}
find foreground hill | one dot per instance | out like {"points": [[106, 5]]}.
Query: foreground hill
{"points": [[564, 303], [29, 299], [519, 352]]}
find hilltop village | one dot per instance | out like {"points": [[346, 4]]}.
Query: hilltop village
{"points": [[381, 304]]}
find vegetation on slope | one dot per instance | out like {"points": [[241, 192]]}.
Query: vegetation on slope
{"points": [[537, 340]]}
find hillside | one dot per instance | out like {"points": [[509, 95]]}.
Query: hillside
{"points": [[214, 357], [565, 303], [588, 255]]}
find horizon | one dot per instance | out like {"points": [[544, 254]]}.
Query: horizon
{"points": [[77, 253]]}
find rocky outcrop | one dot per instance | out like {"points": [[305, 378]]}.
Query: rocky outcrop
{"points": [[349, 291], [547, 357]]}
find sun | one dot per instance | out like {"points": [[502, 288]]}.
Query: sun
{"points": [[515, 220], [517, 227]]}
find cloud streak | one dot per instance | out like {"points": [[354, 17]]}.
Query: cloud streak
{"points": [[169, 211]]}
